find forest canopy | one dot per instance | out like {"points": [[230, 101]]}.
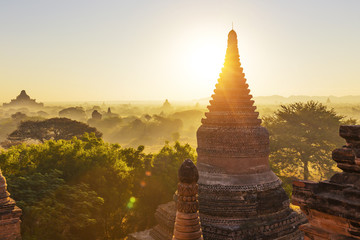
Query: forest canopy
{"points": [[85, 188]]}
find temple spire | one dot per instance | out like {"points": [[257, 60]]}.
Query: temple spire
{"points": [[232, 104], [232, 52], [187, 222], [239, 196]]}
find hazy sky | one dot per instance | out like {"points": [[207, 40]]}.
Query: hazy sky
{"points": [[78, 50]]}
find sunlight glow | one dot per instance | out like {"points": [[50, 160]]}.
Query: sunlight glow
{"points": [[206, 61]]}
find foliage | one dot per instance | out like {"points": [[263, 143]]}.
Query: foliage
{"points": [[53, 128], [69, 212], [76, 113], [84, 188], [7, 125], [18, 116], [302, 137], [161, 180], [149, 130], [169, 160], [31, 188]]}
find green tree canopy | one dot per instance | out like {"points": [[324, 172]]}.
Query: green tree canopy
{"points": [[85, 188], [302, 136]]}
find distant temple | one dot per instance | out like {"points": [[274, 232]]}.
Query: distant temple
{"points": [[23, 100], [239, 196], [166, 106]]}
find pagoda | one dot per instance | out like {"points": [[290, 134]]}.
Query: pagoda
{"points": [[9, 214], [239, 196], [333, 206], [23, 100], [187, 222]]}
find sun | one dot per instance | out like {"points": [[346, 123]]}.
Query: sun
{"points": [[199, 62], [206, 61]]}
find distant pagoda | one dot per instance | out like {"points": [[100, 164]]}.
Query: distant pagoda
{"points": [[239, 196], [23, 100]]}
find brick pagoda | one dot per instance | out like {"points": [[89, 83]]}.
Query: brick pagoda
{"points": [[333, 206], [240, 197], [187, 222], [9, 214]]}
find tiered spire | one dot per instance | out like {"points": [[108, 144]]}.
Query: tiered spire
{"points": [[239, 196], [187, 222], [232, 104]]}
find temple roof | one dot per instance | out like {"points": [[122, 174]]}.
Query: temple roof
{"points": [[231, 104], [23, 96], [23, 100]]}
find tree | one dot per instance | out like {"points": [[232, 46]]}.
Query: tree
{"points": [[76, 113], [302, 136], [159, 183], [18, 116], [85, 188], [69, 212], [60, 186], [53, 128], [96, 115], [31, 188], [166, 165]]}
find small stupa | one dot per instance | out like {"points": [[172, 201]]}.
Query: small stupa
{"points": [[9, 214], [239, 196], [187, 221], [23, 100], [166, 106]]}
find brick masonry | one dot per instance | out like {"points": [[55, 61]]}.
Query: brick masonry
{"points": [[9, 214], [333, 206]]}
